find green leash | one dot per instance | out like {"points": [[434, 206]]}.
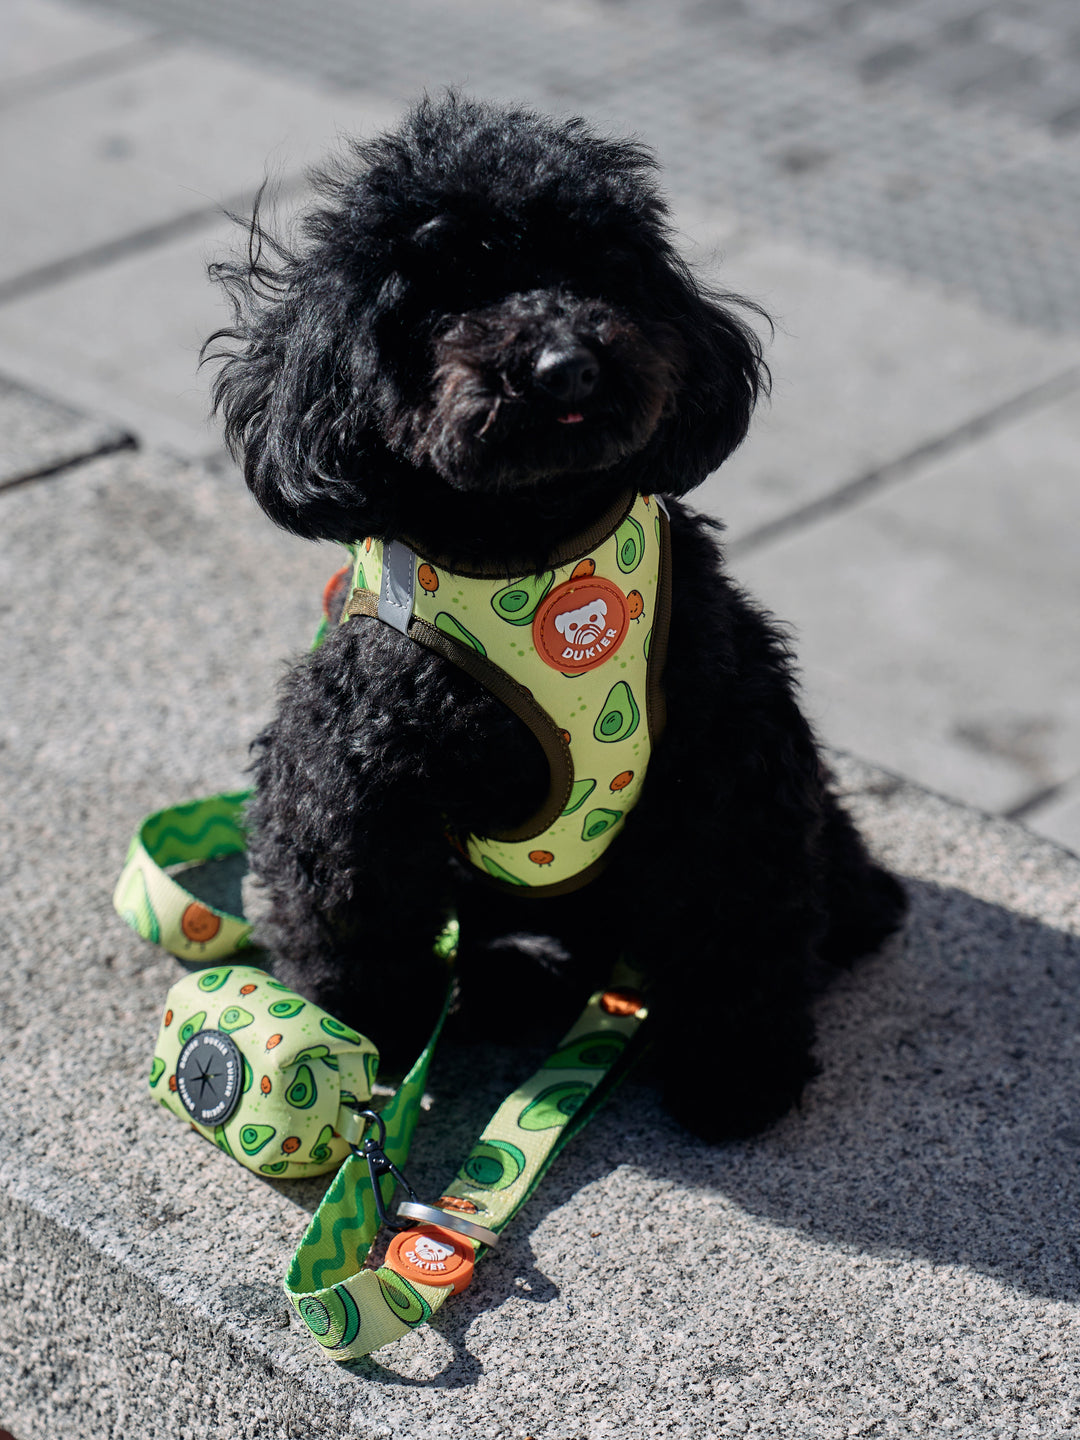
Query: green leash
{"points": [[349, 1308]]}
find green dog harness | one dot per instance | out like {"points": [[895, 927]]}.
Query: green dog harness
{"points": [[576, 652]]}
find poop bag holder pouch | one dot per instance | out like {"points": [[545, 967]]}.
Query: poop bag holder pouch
{"points": [[261, 1072]]}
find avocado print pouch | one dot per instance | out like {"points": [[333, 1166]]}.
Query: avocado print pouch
{"points": [[260, 1071]]}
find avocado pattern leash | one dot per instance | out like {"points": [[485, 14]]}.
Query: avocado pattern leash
{"points": [[351, 1311], [349, 1308]]}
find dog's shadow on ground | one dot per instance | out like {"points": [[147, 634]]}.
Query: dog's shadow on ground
{"points": [[945, 1124]]}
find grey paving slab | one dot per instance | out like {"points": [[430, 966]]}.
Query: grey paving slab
{"points": [[868, 368], [756, 109], [40, 39], [124, 339], [897, 1258], [1058, 816], [116, 156], [936, 621], [37, 435]]}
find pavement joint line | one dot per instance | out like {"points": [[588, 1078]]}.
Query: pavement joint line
{"points": [[60, 467], [135, 242], [1037, 798], [872, 482], [87, 67]]}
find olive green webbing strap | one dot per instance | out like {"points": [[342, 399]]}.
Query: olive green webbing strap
{"points": [[352, 1311]]}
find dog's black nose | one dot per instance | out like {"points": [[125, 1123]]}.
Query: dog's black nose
{"points": [[567, 373]]}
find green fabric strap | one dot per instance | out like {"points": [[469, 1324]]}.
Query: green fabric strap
{"points": [[352, 1311]]}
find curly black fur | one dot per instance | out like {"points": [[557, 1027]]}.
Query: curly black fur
{"points": [[470, 281]]}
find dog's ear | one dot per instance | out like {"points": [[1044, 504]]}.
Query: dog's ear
{"points": [[295, 387], [722, 376]]}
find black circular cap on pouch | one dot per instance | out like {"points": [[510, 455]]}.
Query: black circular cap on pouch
{"points": [[210, 1077]]}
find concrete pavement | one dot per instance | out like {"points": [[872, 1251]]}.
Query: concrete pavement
{"points": [[899, 1257]]}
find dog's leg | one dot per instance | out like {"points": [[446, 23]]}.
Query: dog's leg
{"points": [[729, 864], [347, 831]]}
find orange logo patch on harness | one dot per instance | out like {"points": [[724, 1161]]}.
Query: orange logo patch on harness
{"points": [[581, 624]]}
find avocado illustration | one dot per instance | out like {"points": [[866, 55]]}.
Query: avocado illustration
{"points": [[629, 545], [157, 1069], [321, 1151], [338, 1030], [554, 1105], [449, 626], [517, 603], [286, 1009], [597, 821], [494, 868], [192, 1027], [249, 1076], [213, 979], [594, 1051], [620, 715], [222, 1142], [253, 1138], [579, 793], [493, 1165], [302, 1093], [406, 1303], [133, 903], [317, 1052], [648, 642], [276, 1168], [235, 1018]]}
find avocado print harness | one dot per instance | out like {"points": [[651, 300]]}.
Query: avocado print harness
{"points": [[577, 652]]}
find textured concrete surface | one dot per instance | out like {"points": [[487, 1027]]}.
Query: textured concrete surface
{"points": [[768, 127], [38, 436], [756, 107], [897, 1258], [961, 580]]}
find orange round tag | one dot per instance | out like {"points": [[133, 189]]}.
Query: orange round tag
{"points": [[430, 1255], [581, 624]]}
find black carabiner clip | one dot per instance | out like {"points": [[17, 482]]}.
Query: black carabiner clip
{"points": [[380, 1164]]}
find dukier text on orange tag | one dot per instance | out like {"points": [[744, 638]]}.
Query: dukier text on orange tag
{"points": [[581, 624], [430, 1255]]}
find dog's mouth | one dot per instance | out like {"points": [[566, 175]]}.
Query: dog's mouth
{"points": [[572, 417]]}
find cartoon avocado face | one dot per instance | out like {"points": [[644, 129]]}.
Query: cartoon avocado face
{"points": [[594, 1051], [579, 793], [254, 1138], [597, 821], [629, 545], [517, 603], [620, 715], [493, 1165], [553, 1106], [234, 1018], [449, 626], [286, 1009], [302, 1093]]}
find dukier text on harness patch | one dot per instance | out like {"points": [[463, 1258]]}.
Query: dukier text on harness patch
{"points": [[581, 624]]}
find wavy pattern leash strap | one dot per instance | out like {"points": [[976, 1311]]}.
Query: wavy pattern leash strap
{"points": [[156, 905], [351, 1311]]}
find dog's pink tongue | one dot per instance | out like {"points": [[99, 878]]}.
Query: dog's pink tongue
{"points": [[571, 418]]}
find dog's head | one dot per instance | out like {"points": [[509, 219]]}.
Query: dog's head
{"points": [[486, 310]]}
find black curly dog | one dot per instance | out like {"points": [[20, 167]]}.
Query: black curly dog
{"points": [[470, 279]]}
